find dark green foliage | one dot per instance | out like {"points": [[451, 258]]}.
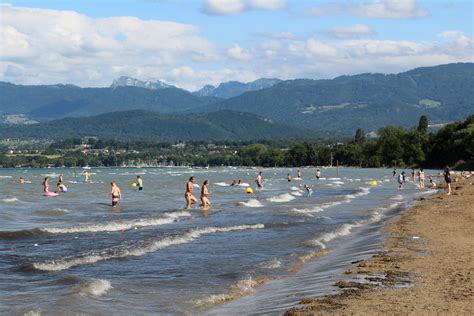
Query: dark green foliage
{"points": [[139, 124]]}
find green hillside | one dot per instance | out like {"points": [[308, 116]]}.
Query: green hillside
{"points": [[443, 93], [58, 101], [141, 124]]}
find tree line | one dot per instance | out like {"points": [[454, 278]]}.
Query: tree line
{"points": [[452, 145]]}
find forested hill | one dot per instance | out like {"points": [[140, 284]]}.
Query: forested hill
{"points": [[147, 125], [443, 93], [59, 101]]}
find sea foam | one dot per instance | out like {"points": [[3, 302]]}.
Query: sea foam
{"points": [[138, 249], [118, 225]]}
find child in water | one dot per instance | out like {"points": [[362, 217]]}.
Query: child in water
{"points": [[61, 188], [115, 193], [308, 189]]}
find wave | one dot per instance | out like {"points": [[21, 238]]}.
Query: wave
{"points": [[338, 182], [251, 203], [296, 193], [222, 184], [94, 287], [237, 290], [6, 177], [286, 197], [343, 230], [138, 249], [270, 264], [308, 212], [10, 200], [119, 226]]}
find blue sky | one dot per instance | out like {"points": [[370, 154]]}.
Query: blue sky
{"points": [[192, 43]]}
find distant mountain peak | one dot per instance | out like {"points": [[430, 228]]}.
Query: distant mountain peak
{"points": [[231, 89], [125, 81]]}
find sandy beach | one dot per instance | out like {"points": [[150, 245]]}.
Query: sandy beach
{"points": [[426, 266]]}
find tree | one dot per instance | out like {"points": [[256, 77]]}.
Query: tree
{"points": [[423, 124], [359, 136]]}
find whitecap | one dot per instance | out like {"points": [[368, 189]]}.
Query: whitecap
{"points": [[10, 200], [6, 177], [343, 230], [221, 184], [138, 249], [118, 225], [95, 287], [251, 203], [270, 264], [286, 197]]}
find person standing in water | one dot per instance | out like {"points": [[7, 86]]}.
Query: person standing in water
{"points": [[204, 195], [413, 175], [139, 183], [447, 178], [421, 178], [61, 178], [115, 193], [190, 198], [309, 190], [288, 177], [318, 174], [46, 185], [401, 180], [298, 173], [86, 175], [394, 172], [259, 180]]}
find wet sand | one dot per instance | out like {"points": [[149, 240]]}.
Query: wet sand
{"points": [[426, 267]]}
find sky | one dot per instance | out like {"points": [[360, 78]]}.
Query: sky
{"points": [[191, 43]]}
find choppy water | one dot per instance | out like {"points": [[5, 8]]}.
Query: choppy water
{"points": [[249, 254]]}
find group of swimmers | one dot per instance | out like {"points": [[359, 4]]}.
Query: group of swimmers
{"points": [[421, 178], [60, 186]]}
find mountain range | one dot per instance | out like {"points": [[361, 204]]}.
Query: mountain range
{"points": [[235, 88], [443, 93]]}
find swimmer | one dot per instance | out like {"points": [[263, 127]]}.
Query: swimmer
{"points": [[401, 180], [139, 183], [318, 174], [259, 180], [204, 195], [421, 178], [86, 175], [190, 198], [432, 183], [60, 188], [115, 193], [21, 180], [233, 183], [288, 177], [45, 185], [308, 189]]}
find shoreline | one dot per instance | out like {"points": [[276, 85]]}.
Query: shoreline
{"points": [[425, 265]]}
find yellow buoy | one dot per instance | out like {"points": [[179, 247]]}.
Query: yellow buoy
{"points": [[373, 183], [249, 191], [134, 184]]}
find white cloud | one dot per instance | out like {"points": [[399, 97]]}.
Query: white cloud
{"points": [[234, 7], [378, 9], [238, 53], [49, 46], [65, 46], [354, 31]]}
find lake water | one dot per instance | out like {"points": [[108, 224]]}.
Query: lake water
{"points": [[251, 254]]}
